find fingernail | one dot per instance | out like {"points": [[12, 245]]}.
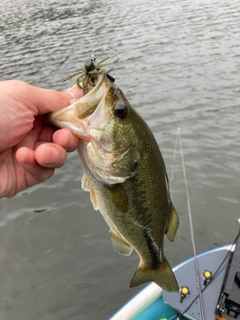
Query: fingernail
{"points": [[52, 155], [75, 92], [23, 154]]}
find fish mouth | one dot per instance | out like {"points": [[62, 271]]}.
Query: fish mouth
{"points": [[74, 117]]}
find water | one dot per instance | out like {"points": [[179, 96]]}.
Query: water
{"points": [[178, 63]]}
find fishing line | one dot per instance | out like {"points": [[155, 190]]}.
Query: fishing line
{"points": [[128, 64], [202, 313], [175, 150], [117, 54], [125, 62]]}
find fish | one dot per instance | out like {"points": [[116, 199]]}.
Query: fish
{"points": [[125, 174]]}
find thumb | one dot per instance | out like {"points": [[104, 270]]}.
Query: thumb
{"points": [[46, 100], [39, 100]]}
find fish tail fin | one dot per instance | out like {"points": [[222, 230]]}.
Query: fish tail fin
{"points": [[162, 276]]}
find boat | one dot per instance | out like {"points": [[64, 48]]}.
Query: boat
{"points": [[209, 290]]}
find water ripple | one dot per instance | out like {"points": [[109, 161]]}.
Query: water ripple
{"points": [[178, 62]]}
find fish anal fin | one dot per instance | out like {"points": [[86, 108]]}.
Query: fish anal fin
{"points": [[163, 276], [87, 186], [118, 197], [172, 225], [120, 245]]}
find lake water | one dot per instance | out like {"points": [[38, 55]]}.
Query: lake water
{"points": [[178, 63]]}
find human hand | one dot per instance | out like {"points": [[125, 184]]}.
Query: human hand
{"points": [[30, 147]]}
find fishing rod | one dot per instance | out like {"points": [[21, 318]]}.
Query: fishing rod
{"points": [[215, 275], [178, 138], [229, 296], [202, 313]]}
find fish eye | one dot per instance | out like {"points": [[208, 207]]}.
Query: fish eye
{"points": [[121, 110]]}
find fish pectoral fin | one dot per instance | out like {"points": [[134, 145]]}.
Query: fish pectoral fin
{"points": [[85, 183], [172, 225], [162, 276], [94, 198], [120, 245], [118, 196], [87, 186]]}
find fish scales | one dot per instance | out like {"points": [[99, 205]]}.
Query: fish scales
{"points": [[126, 176]]}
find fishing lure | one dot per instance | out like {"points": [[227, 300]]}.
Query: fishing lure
{"points": [[87, 75]]}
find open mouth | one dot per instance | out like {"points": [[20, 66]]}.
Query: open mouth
{"points": [[75, 116]]}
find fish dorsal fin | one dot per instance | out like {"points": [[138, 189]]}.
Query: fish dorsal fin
{"points": [[87, 186], [172, 225], [118, 197], [120, 245]]}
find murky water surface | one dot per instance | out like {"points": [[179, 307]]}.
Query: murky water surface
{"points": [[178, 62]]}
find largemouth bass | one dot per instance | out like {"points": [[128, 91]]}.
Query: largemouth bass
{"points": [[125, 174]]}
